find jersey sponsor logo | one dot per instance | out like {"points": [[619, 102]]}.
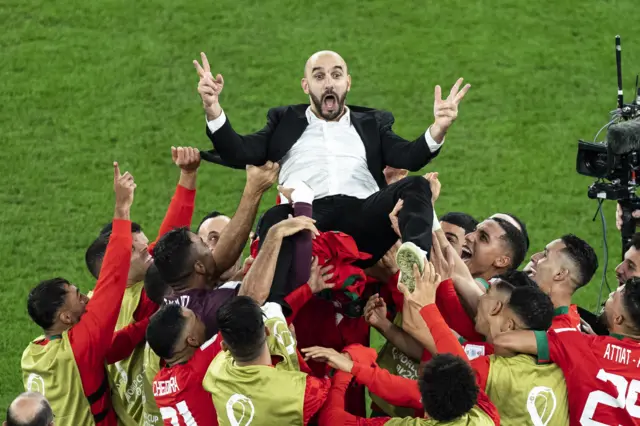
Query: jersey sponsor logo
{"points": [[541, 397], [165, 387], [247, 410], [35, 383]]}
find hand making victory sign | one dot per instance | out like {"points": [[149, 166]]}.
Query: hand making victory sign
{"points": [[209, 88], [445, 111]]}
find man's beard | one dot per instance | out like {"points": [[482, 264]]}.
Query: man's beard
{"points": [[317, 102]]}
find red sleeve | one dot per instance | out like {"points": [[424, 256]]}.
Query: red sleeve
{"points": [[481, 367], [333, 413], [179, 213], [454, 313], [125, 341], [91, 337], [315, 394], [296, 300], [202, 357], [145, 308], [445, 341], [394, 389]]}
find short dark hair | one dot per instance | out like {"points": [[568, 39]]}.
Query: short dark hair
{"points": [[448, 387], [94, 255], [165, 328], [635, 241], [172, 255], [154, 285], [631, 300], [523, 227], [241, 323], [515, 241], [135, 227], [582, 255], [45, 300], [517, 278], [208, 216], [463, 220], [532, 306], [43, 417]]}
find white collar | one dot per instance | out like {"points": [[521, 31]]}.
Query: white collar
{"points": [[345, 119]]}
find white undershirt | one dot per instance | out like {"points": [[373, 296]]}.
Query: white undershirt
{"points": [[329, 157]]}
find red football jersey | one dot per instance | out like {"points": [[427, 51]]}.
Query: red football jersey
{"points": [[602, 375], [179, 393]]}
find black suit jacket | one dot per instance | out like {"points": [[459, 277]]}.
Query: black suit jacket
{"points": [[286, 124]]}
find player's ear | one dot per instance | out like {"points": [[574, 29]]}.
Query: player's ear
{"points": [[561, 275], [65, 317], [266, 331], [193, 341], [502, 262], [224, 346], [495, 310], [618, 319], [199, 268], [305, 85], [348, 82]]}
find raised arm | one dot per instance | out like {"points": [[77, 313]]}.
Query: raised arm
{"points": [[400, 153], [180, 211], [233, 148], [91, 336], [235, 235], [257, 282]]}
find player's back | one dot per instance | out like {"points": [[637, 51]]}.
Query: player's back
{"points": [[181, 398], [602, 374]]}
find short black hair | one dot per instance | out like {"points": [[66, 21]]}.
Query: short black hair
{"points": [[45, 300], [631, 300], [135, 227], [164, 329], [208, 216], [532, 306], [515, 241], [154, 285], [463, 220], [172, 255], [94, 255], [582, 255], [635, 241], [241, 323], [517, 278], [448, 387], [523, 227], [43, 417]]}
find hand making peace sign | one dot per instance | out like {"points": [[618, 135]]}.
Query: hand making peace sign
{"points": [[445, 111], [208, 88]]}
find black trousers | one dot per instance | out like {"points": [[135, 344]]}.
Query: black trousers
{"points": [[367, 221]]}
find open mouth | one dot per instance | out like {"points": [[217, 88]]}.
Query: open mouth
{"points": [[330, 102], [466, 253]]}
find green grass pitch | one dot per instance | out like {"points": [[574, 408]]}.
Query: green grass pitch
{"points": [[85, 83]]}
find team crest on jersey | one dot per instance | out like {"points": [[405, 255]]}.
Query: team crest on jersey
{"points": [[35, 383], [541, 404]]}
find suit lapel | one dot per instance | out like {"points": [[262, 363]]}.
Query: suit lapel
{"points": [[293, 124]]}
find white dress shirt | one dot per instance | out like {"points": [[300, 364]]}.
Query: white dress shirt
{"points": [[329, 157]]}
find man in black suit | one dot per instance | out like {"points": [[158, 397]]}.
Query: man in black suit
{"points": [[339, 152]]}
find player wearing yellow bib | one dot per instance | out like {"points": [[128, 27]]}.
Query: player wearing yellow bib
{"points": [[245, 380], [127, 376]]}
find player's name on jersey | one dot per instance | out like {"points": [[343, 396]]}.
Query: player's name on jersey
{"points": [[182, 301], [165, 387], [621, 355]]}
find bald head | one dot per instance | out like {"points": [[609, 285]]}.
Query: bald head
{"points": [[327, 81], [321, 58], [29, 409]]}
